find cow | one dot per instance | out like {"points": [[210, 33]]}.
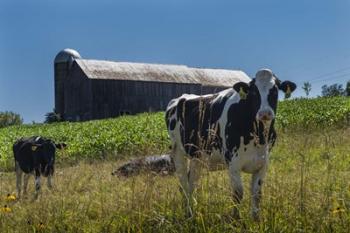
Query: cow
{"points": [[34, 154], [157, 164], [234, 127]]}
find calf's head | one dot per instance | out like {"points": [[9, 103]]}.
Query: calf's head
{"points": [[261, 94]]}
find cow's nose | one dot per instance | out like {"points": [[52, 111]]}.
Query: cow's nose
{"points": [[265, 115]]}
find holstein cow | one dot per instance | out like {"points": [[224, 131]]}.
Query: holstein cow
{"points": [[158, 164], [234, 127], [34, 154]]}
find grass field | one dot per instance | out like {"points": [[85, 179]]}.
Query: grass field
{"points": [[307, 187], [146, 133]]}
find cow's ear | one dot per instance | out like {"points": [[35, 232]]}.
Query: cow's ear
{"points": [[242, 89], [287, 87], [61, 146], [35, 147]]}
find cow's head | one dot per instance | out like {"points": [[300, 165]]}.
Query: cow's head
{"points": [[262, 93]]}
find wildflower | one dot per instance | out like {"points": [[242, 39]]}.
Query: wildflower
{"points": [[41, 226], [338, 210], [10, 197], [5, 209]]}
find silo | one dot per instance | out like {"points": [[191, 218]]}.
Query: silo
{"points": [[62, 65]]}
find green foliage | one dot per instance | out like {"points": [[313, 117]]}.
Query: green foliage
{"points": [[307, 88], [146, 133], [129, 135], [315, 113], [306, 190], [52, 117], [347, 89], [332, 90], [10, 118]]}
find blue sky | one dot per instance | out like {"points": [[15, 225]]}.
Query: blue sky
{"points": [[299, 40]]}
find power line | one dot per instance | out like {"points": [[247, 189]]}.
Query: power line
{"points": [[328, 74], [319, 60], [334, 77]]}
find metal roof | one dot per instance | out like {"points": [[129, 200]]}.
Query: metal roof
{"points": [[99, 69]]}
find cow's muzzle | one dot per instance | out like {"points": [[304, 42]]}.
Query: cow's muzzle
{"points": [[265, 116]]}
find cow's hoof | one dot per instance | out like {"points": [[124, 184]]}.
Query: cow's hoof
{"points": [[36, 196], [235, 214], [256, 217], [189, 214], [227, 218], [235, 221], [188, 211]]}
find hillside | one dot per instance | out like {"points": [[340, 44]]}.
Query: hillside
{"points": [[146, 133], [306, 188]]}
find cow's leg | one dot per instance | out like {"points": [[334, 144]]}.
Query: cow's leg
{"points": [[37, 182], [49, 182], [193, 176], [256, 185], [19, 174], [25, 183], [237, 188], [181, 166]]}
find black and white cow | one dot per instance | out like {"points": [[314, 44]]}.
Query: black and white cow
{"points": [[157, 164], [34, 154], [233, 127]]}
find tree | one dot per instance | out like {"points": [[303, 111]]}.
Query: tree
{"points": [[332, 90], [347, 89], [307, 88], [52, 117], [9, 118]]}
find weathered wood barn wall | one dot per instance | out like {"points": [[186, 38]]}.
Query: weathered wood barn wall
{"points": [[95, 89]]}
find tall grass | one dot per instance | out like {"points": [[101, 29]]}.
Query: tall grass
{"points": [[307, 190], [307, 187]]}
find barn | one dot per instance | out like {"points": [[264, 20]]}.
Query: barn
{"points": [[87, 89]]}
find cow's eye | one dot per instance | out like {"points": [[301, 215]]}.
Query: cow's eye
{"points": [[274, 92]]}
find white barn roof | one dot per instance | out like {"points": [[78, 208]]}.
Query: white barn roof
{"points": [[99, 69]]}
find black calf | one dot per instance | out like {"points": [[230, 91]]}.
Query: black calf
{"points": [[34, 155]]}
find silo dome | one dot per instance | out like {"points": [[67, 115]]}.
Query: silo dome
{"points": [[67, 55]]}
